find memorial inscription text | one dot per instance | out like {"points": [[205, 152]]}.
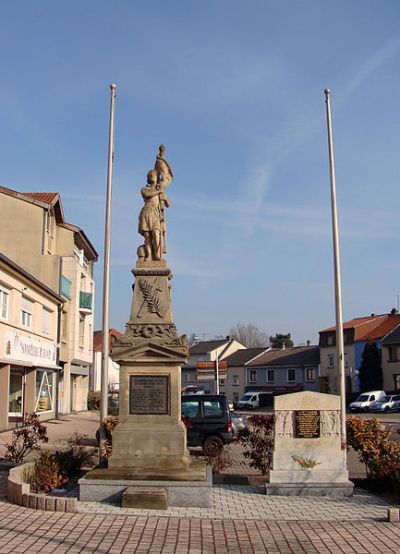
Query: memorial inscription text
{"points": [[307, 424], [149, 394]]}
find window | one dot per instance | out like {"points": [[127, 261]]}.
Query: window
{"points": [[331, 360], [46, 315], [26, 312], [253, 376], [191, 409], [329, 340], [15, 394], [235, 380], [222, 382], [291, 375], [310, 374], [44, 391], [396, 379], [212, 408], [393, 354], [271, 375], [81, 331], [4, 302], [187, 377]]}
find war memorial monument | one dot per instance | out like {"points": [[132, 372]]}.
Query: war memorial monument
{"points": [[150, 465]]}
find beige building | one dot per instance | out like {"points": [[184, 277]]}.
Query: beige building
{"points": [[113, 367], [234, 382], [35, 235], [29, 332]]}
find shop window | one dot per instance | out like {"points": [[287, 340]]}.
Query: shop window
{"points": [[310, 374], [4, 302], [271, 375], [26, 312], [44, 391], [291, 375], [15, 394], [46, 315]]}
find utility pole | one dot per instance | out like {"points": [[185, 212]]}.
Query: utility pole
{"points": [[106, 279], [338, 286]]}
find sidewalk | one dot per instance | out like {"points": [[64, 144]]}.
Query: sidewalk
{"points": [[241, 520]]}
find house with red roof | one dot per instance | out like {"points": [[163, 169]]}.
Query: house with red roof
{"points": [[357, 332], [35, 235]]}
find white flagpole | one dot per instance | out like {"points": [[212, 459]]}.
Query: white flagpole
{"points": [[106, 277], [338, 286]]}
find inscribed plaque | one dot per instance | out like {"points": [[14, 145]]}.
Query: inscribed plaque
{"points": [[307, 424], [149, 394]]}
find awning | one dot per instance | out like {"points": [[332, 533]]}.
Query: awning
{"points": [[16, 362]]}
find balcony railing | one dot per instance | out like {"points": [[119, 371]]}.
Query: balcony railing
{"points": [[65, 287], [86, 301]]}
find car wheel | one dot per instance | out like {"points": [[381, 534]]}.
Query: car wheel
{"points": [[212, 446], [387, 409]]}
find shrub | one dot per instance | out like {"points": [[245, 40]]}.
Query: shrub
{"points": [[26, 438], [219, 460], [93, 401], [375, 449], [54, 469], [108, 426], [258, 443]]}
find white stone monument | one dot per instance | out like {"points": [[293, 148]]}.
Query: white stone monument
{"points": [[308, 459]]}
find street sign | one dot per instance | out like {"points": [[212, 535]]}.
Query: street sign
{"points": [[211, 365]]}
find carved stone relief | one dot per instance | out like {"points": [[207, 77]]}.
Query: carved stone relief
{"points": [[284, 423], [330, 423]]}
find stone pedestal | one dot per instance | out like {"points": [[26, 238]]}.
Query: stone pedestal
{"points": [[308, 459], [149, 443]]}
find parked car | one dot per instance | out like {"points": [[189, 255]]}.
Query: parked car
{"points": [[239, 422], [210, 424], [363, 402], [395, 406], [253, 400], [385, 403]]}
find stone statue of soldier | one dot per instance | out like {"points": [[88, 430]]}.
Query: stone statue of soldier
{"points": [[152, 215]]}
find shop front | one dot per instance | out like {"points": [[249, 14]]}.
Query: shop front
{"points": [[28, 379]]}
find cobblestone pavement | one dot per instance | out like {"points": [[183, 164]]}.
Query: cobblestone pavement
{"points": [[237, 501]]}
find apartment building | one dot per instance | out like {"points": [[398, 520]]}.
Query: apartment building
{"points": [[29, 329], [35, 235]]}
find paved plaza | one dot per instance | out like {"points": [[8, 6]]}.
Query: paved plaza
{"points": [[241, 520]]}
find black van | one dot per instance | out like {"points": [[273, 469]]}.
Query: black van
{"points": [[210, 424]]}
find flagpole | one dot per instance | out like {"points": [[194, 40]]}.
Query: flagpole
{"points": [[106, 279], [338, 285]]}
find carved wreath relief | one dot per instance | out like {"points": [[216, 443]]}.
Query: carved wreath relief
{"points": [[152, 297]]}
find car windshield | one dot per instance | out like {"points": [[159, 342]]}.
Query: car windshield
{"points": [[363, 398], [385, 399], [247, 397]]}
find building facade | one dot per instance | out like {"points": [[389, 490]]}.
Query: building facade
{"points": [[391, 360], [29, 332], [206, 351], [35, 235], [234, 381], [356, 334], [280, 371], [113, 367]]}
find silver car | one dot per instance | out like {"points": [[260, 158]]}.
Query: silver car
{"points": [[385, 403]]}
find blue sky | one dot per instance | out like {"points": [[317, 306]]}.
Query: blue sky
{"points": [[235, 92]]}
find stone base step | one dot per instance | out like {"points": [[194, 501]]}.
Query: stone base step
{"points": [[145, 498]]}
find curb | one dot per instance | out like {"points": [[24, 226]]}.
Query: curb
{"points": [[19, 492]]}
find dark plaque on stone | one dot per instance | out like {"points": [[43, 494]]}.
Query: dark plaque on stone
{"points": [[149, 394], [307, 424]]}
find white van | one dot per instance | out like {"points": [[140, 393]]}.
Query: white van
{"points": [[253, 400], [362, 403]]}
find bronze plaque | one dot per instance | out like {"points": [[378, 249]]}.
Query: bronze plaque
{"points": [[149, 394], [307, 424]]}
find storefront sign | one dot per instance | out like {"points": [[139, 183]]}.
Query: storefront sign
{"points": [[22, 348]]}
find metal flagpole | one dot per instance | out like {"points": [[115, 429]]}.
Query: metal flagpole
{"points": [[217, 374], [338, 286], [106, 279]]}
